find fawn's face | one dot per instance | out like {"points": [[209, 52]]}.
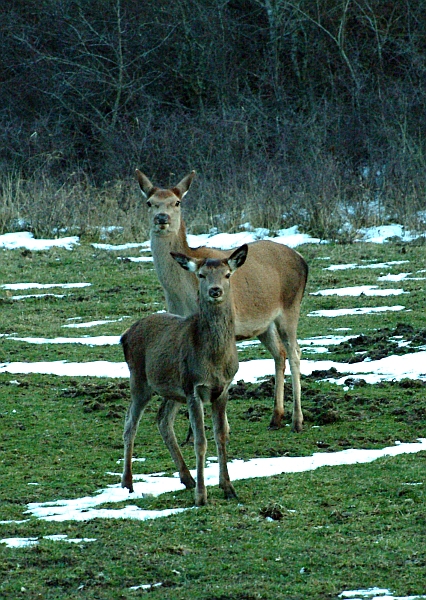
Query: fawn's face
{"points": [[213, 276]]}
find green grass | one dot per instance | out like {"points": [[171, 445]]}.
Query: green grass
{"points": [[353, 527]]}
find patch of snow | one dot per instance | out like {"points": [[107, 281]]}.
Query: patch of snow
{"points": [[136, 259], [383, 265], [33, 541], [379, 235], [411, 366], [25, 296], [83, 509], [93, 323], [358, 290], [25, 239], [375, 594], [142, 245], [42, 286], [339, 312], [101, 340]]}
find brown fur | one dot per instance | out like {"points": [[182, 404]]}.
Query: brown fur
{"points": [[186, 359], [267, 290]]}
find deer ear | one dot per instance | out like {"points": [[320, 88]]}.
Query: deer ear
{"points": [[238, 257], [183, 186], [185, 262], [146, 186]]}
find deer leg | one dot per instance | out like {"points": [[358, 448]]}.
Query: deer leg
{"points": [[271, 339], [165, 419], [196, 416], [221, 435], [141, 395], [289, 338]]}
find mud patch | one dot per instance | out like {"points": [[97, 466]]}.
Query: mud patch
{"points": [[108, 398]]}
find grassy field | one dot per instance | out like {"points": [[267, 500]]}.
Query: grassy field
{"points": [[295, 536]]}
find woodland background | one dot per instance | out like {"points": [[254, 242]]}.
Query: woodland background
{"points": [[308, 112]]}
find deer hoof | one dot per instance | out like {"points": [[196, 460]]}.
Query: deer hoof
{"points": [[201, 499], [125, 483], [276, 422], [297, 426], [188, 481], [230, 493]]}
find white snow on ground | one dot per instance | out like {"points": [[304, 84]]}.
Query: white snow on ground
{"points": [[290, 236], [142, 246], [100, 340], [378, 235], [375, 594], [42, 286], [358, 290], [411, 366], [93, 323], [339, 312], [111, 340], [19, 542], [83, 509], [137, 259], [25, 239], [33, 541], [383, 265], [25, 296], [400, 277]]}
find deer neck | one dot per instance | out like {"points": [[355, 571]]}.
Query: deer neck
{"points": [[216, 324], [180, 287]]}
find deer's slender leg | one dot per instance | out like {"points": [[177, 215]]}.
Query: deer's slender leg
{"points": [[221, 434], [271, 339], [141, 395], [287, 328], [196, 416], [165, 419]]}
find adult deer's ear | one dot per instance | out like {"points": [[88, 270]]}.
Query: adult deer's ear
{"points": [[146, 186], [183, 186], [185, 262], [238, 257]]}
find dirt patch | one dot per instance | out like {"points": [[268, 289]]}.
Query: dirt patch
{"points": [[111, 398]]}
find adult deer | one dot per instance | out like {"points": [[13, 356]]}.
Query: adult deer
{"points": [[192, 359], [267, 291]]}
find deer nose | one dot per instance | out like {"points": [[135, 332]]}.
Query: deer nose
{"points": [[162, 219], [215, 292]]}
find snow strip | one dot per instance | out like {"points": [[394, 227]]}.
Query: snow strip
{"points": [[375, 594], [83, 509], [339, 312], [42, 286], [358, 290], [411, 366], [25, 239]]}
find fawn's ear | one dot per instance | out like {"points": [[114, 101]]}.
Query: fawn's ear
{"points": [[185, 262], [238, 257], [146, 186], [183, 186]]}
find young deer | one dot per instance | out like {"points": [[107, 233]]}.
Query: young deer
{"points": [[193, 360], [267, 291]]}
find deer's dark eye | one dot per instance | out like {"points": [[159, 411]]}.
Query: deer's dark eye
{"points": [[228, 275], [177, 202], [149, 204], [201, 276]]}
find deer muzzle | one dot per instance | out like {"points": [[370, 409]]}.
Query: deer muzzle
{"points": [[162, 220], [216, 293]]}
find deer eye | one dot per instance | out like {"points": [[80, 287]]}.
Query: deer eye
{"points": [[228, 275], [201, 276], [177, 202], [149, 204]]}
